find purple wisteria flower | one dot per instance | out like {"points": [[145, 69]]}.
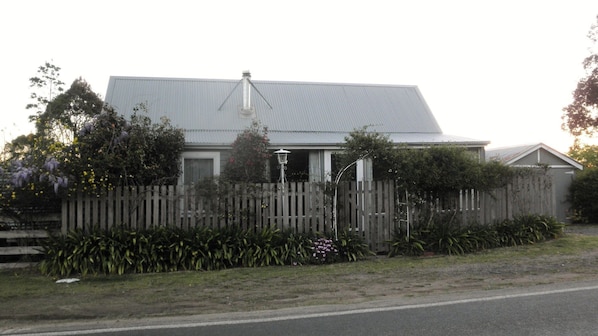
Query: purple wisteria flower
{"points": [[59, 182], [55, 181], [51, 164], [21, 174], [86, 129], [21, 177], [124, 135]]}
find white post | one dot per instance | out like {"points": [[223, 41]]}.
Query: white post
{"points": [[282, 156], [334, 200]]}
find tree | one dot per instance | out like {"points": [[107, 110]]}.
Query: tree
{"points": [[584, 154], [435, 170], [583, 194], [112, 151], [32, 173], [48, 79], [361, 143], [249, 157], [100, 149], [442, 169], [45, 87], [32, 177], [19, 147], [581, 116], [429, 175], [56, 118], [66, 114], [583, 191], [38, 146]]}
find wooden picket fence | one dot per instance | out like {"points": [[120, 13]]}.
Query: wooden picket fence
{"points": [[368, 208], [302, 207], [371, 209], [527, 194], [20, 237]]}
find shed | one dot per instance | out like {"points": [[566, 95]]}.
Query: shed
{"points": [[560, 167]]}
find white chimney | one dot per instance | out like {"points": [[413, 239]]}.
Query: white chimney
{"points": [[246, 91]]}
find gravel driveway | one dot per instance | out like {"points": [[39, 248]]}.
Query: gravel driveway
{"points": [[587, 229]]}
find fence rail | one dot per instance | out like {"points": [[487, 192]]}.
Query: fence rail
{"points": [[527, 194], [19, 247], [21, 236], [372, 209], [302, 207]]}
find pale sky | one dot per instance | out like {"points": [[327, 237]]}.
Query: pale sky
{"points": [[489, 70]]}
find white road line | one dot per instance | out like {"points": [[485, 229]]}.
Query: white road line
{"points": [[304, 316]]}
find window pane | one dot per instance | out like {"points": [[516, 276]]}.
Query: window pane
{"points": [[197, 169], [338, 163]]}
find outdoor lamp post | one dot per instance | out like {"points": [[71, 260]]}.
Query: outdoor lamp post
{"points": [[283, 159]]}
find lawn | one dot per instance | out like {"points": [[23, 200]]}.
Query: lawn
{"points": [[29, 297]]}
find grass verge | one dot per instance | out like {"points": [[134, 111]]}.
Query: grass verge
{"points": [[27, 296]]}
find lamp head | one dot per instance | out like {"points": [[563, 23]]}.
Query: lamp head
{"points": [[282, 155]]}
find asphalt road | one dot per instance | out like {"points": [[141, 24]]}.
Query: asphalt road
{"points": [[566, 310]]}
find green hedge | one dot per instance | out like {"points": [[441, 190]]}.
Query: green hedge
{"points": [[166, 249], [445, 237]]}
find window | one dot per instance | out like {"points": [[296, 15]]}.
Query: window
{"points": [[297, 169], [197, 169], [199, 165], [338, 163]]}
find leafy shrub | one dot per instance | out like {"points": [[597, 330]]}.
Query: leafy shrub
{"points": [[295, 249], [445, 237], [508, 233], [436, 170], [249, 156], [265, 249], [583, 194], [552, 228], [168, 249], [482, 237], [441, 233], [352, 247], [403, 244], [528, 229], [539, 227]]}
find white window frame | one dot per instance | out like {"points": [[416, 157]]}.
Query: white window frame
{"points": [[215, 156], [364, 168]]}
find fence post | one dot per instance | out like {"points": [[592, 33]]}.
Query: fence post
{"points": [[64, 211]]}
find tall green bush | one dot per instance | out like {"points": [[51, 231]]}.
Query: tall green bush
{"points": [[248, 161], [434, 170], [113, 151], [583, 194], [81, 145]]}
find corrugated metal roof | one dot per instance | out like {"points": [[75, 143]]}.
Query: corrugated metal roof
{"points": [[294, 112], [510, 155], [322, 139]]}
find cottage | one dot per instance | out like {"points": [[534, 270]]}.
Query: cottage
{"points": [[309, 119], [560, 167]]}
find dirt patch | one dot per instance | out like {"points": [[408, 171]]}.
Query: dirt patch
{"points": [[589, 229], [287, 287]]}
